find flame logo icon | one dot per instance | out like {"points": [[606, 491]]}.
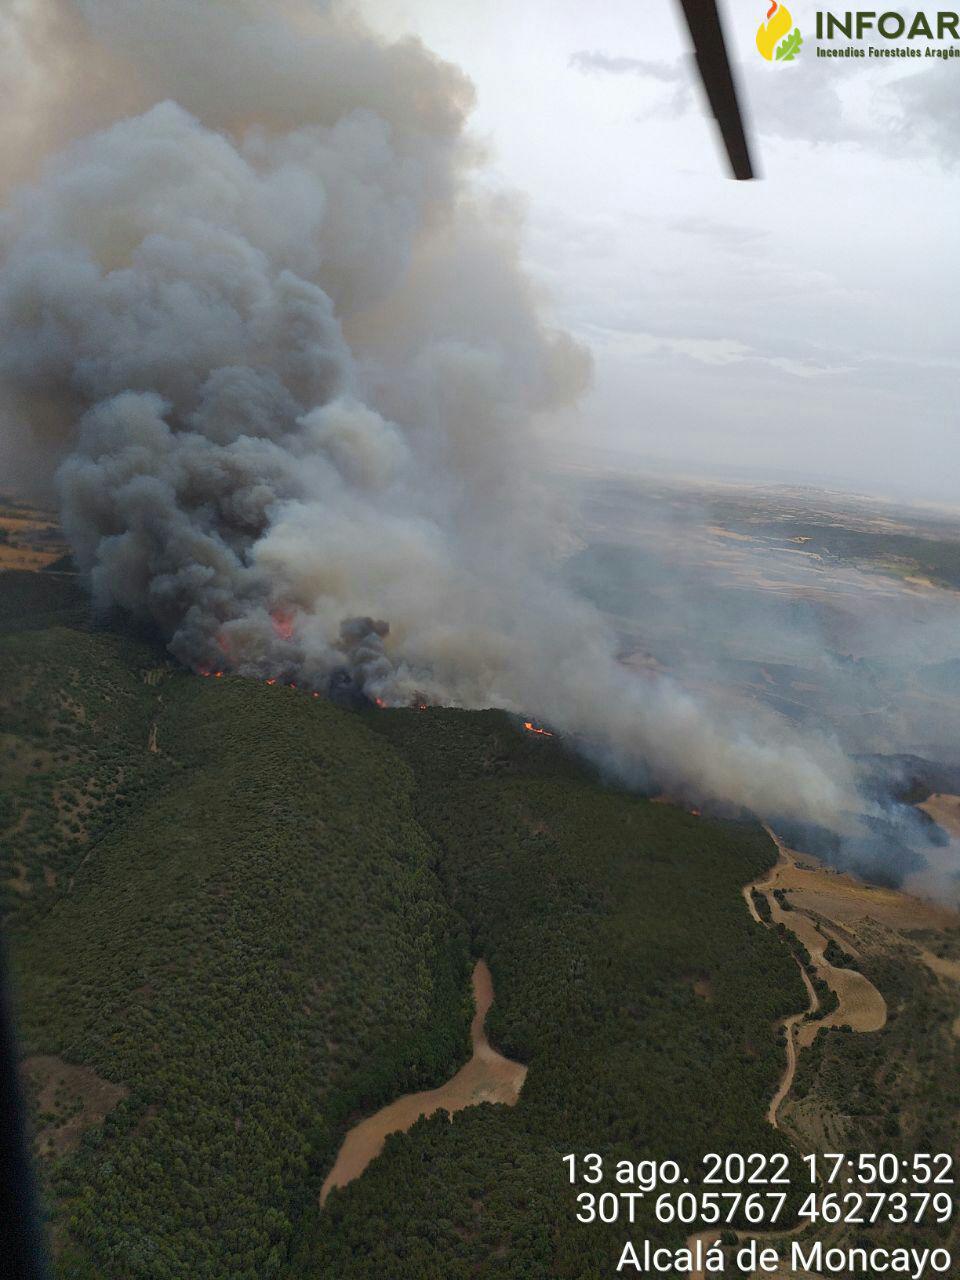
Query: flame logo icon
{"points": [[777, 27]]}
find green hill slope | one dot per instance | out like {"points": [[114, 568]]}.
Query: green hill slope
{"points": [[257, 949], [628, 975], [263, 929]]}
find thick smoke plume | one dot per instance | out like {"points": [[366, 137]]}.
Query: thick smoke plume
{"points": [[275, 343]]}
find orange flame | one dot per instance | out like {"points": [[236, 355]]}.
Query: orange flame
{"points": [[532, 728], [283, 620]]}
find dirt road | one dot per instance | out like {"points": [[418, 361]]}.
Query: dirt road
{"points": [[487, 1077], [861, 1007]]}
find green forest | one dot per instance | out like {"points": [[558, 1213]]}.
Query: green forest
{"points": [[253, 915]]}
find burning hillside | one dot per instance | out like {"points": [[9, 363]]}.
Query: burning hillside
{"points": [[273, 337], [534, 728]]}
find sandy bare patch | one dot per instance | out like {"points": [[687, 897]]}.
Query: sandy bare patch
{"points": [[861, 1006], [945, 811], [30, 539], [792, 1026], [487, 1077], [940, 878], [703, 987], [26, 558], [70, 1100], [729, 534], [948, 970], [849, 902], [19, 882]]}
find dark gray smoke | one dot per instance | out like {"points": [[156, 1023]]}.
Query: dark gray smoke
{"points": [[274, 340]]}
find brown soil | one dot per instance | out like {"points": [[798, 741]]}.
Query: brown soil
{"points": [[862, 918], [20, 882], [945, 811], [948, 970], [861, 1007], [939, 880], [793, 1027], [487, 1077], [850, 904], [29, 539], [77, 1095], [27, 558]]}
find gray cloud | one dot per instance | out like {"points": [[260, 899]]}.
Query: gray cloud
{"points": [[676, 73], [930, 107], [611, 64], [810, 101]]}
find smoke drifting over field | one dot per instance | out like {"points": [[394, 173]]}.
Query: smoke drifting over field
{"points": [[273, 339]]}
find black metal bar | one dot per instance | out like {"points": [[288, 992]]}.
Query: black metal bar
{"points": [[22, 1253], [710, 48]]}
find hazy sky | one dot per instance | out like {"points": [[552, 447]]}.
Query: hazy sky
{"points": [[801, 325]]}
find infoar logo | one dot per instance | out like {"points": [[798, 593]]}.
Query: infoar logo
{"points": [[775, 39]]}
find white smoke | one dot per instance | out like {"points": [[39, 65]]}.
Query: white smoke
{"points": [[283, 356]]}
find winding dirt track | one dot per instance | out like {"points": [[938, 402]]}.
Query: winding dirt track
{"points": [[487, 1077], [842, 906], [861, 1006], [789, 1024], [793, 1029]]}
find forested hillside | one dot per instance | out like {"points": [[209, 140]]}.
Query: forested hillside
{"points": [[241, 918], [628, 975], [250, 941]]}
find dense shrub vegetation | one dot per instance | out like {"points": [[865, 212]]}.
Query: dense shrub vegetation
{"points": [[258, 950], [897, 1089], [76, 710], [31, 600], [263, 929], [628, 976]]}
